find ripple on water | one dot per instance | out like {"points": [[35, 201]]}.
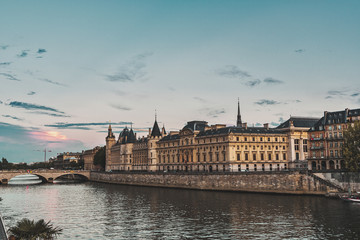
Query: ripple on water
{"points": [[104, 211]]}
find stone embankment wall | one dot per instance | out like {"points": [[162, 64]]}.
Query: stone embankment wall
{"points": [[265, 182]]}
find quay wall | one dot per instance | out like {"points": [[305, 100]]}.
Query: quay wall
{"points": [[263, 182]]}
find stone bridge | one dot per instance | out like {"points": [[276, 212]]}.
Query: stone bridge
{"points": [[46, 175]]}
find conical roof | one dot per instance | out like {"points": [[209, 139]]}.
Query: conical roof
{"points": [[156, 130]]}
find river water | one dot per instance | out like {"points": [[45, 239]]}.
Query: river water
{"points": [[105, 211]]}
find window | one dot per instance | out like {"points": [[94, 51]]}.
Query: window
{"points": [[269, 156], [276, 139], [284, 156], [261, 139], [253, 139], [262, 157], [254, 157], [247, 167], [246, 157], [277, 156], [237, 138], [239, 168], [237, 147], [255, 167], [268, 139], [238, 157], [245, 139]]}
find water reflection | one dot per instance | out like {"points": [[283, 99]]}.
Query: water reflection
{"points": [[27, 179], [105, 211]]}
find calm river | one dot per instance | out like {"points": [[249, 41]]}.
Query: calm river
{"points": [[104, 211]]}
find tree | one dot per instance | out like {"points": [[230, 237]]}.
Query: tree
{"points": [[351, 147], [31, 230], [100, 157]]}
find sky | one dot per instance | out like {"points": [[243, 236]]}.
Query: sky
{"points": [[68, 68]]}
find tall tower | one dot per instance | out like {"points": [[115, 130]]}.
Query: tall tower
{"points": [[238, 121], [110, 141]]}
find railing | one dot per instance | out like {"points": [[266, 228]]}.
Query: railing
{"points": [[325, 182]]}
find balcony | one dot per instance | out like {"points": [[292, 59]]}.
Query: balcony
{"points": [[317, 148], [317, 139]]}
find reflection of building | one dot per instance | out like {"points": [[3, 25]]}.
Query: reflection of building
{"points": [[88, 157], [64, 160], [326, 139], [199, 147], [296, 129]]}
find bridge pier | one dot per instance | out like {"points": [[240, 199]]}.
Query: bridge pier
{"points": [[50, 180], [4, 181]]}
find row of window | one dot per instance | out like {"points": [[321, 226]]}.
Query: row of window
{"points": [[261, 139], [261, 147], [262, 157]]}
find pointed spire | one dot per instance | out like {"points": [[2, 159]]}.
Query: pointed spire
{"points": [[238, 121], [110, 133], [156, 130]]}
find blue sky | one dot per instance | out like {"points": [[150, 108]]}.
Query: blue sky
{"points": [[67, 68]]}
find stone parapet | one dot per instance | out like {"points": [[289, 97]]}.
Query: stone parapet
{"points": [[264, 182]]}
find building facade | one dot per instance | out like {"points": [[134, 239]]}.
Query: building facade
{"points": [[297, 129], [198, 147], [326, 139], [88, 158]]}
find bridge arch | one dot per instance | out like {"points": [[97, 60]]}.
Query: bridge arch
{"points": [[45, 176]]}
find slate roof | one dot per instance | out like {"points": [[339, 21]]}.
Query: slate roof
{"points": [[156, 130], [299, 122], [227, 130], [127, 136], [170, 137], [196, 125]]}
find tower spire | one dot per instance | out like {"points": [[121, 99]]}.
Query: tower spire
{"points": [[238, 121]]}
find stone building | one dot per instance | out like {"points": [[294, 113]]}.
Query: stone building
{"points": [[297, 129], [88, 157], [326, 139], [63, 160], [131, 154], [199, 147]]}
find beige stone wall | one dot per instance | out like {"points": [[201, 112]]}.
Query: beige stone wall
{"points": [[286, 182]]}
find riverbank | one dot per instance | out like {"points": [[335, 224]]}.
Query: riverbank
{"points": [[260, 182]]}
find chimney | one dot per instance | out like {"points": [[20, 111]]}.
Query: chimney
{"points": [[325, 116], [149, 132], [266, 126], [291, 123], [245, 125]]}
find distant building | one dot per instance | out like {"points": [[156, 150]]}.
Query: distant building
{"points": [[326, 139], [297, 129], [88, 158], [63, 160]]}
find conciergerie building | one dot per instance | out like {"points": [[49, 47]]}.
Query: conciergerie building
{"points": [[199, 147]]}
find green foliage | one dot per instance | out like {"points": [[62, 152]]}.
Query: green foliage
{"points": [[351, 147], [100, 157], [31, 230]]}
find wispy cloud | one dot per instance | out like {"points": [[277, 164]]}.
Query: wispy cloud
{"points": [[85, 126], [232, 71], [41, 51], [299, 50], [270, 80], [344, 94], [23, 53], [12, 117], [5, 63], [4, 47], [132, 70], [120, 107], [30, 106], [264, 102], [200, 99], [253, 83], [31, 93], [52, 82], [213, 112], [50, 114], [9, 77]]}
